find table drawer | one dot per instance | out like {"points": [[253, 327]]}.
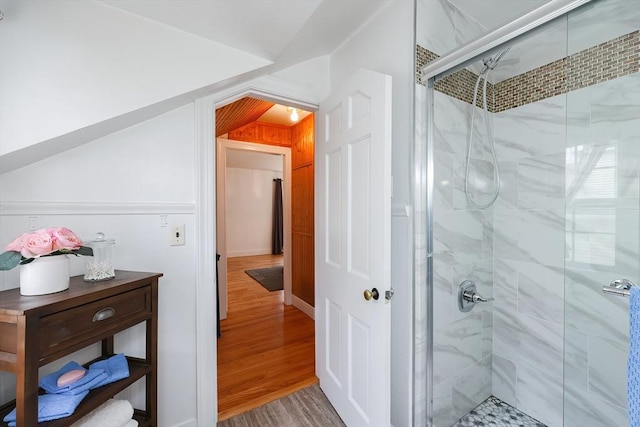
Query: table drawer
{"points": [[75, 325]]}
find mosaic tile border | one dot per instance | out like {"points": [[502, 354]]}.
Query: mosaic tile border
{"points": [[494, 412], [532, 86], [458, 85], [607, 61]]}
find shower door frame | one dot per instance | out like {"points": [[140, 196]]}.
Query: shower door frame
{"points": [[445, 65]]}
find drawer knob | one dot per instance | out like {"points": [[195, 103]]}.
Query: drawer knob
{"points": [[104, 314]]}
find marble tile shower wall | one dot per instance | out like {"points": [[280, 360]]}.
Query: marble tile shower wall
{"points": [[566, 223], [529, 233], [597, 239], [552, 210], [602, 244], [463, 249], [512, 348]]}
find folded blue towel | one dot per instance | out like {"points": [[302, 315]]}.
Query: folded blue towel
{"points": [[89, 381], [633, 365], [51, 407], [116, 368]]}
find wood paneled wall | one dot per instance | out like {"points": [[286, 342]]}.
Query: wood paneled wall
{"points": [[302, 242], [264, 133], [300, 138]]}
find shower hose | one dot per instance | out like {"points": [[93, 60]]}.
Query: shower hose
{"points": [[496, 173]]}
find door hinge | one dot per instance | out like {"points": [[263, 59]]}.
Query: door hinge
{"points": [[388, 294]]}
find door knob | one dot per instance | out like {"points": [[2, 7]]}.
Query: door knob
{"points": [[373, 293]]}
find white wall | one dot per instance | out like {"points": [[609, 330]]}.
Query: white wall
{"points": [[312, 75], [249, 192], [120, 185], [149, 162], [385, 45], [67, 65]]}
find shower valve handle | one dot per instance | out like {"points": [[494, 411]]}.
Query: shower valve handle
{"points": [[468, 296], [475, 297]]}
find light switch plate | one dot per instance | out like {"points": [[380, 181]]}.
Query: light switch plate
{"points": [[176, 236]]}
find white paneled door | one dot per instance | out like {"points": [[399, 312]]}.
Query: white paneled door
{"points": [[353, 316]]}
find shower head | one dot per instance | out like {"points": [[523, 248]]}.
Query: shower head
{"points": [[492, 62], [501, 54]]}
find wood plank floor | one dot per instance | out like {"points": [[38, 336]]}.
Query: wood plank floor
{"points": [[308, 407], [266, 350]]}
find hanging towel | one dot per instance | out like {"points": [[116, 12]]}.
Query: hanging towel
{"points": [[112, 413], [116, 368], [51, 407], [89, 381], [131, 423], [633, 365]]}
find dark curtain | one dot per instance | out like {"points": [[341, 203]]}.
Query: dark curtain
{"points": [[277, 231]]}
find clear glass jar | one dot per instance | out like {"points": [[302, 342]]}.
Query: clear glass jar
{"points": [[100, 266]]}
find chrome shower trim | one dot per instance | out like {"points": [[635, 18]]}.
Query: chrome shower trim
{"points": [[463, 56], [429, 188]]}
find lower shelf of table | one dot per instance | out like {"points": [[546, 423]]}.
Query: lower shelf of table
{"points": [[142, 418], [137, 370]]}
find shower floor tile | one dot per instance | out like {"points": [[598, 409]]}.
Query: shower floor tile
{"points": [[493, 412]]}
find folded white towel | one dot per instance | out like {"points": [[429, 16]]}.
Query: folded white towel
{"points": [[131, 423], [112, 413]]}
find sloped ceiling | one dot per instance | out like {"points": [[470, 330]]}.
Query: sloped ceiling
{"points": [[272, 29], [125, 61], [239, 113], [248, 110]]}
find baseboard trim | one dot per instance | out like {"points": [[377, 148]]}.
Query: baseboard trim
{"points": [[190, 423], [303, 306], [249, 252]]}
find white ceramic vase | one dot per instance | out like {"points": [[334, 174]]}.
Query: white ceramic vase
{"points": [[45, 275]]}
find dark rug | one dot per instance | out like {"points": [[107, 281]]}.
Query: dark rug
{"points": [[270, 278]]}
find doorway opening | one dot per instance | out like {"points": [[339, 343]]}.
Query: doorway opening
{"points": [[267, 344]]}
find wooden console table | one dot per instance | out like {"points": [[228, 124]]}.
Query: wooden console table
{"points": [[36, 330]]}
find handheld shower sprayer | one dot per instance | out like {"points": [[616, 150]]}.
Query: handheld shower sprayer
{"points": [[492, 62], [489, 64]]}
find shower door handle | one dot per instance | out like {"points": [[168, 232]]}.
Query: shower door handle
{"points": [[621, 287]]}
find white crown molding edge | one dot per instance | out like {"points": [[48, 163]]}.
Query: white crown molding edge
{"points": [[94, 208], [270, 88]]}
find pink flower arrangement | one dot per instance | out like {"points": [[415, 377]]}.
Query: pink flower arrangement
{"points": [[44, 242]]}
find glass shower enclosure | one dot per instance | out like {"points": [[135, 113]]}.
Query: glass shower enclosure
{"points": [[527, 206]]}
